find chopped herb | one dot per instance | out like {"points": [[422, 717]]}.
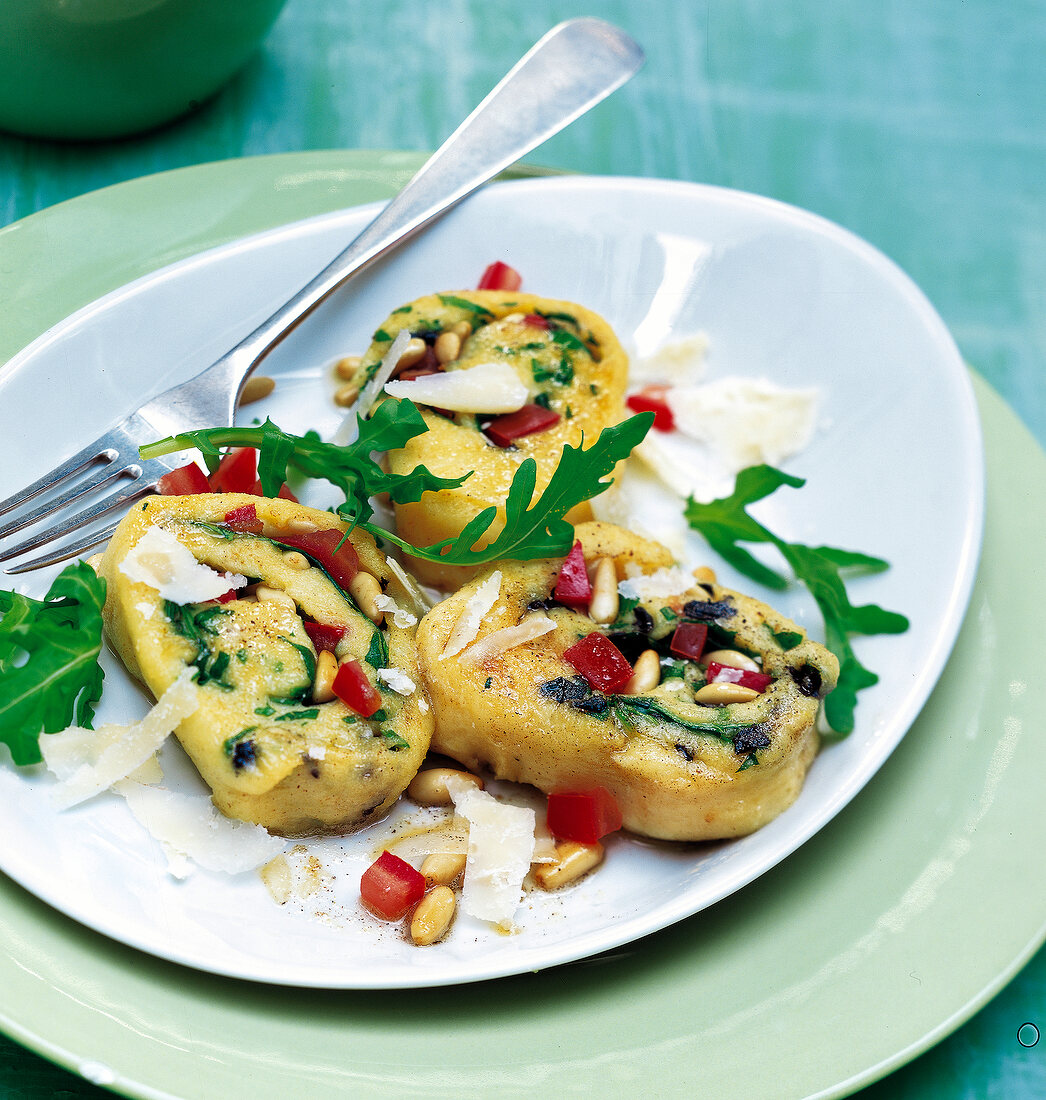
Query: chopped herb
{"points": [[394, 741], [668, 615], [230, 742], [298, 715], [463, 303], [378, 653], [265, 711], [788, 639], [306, 655], [568, 340], [379, 715], [381, 336], [749, 761]]}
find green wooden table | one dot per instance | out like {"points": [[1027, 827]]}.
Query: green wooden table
{"points": [[920, 126]]}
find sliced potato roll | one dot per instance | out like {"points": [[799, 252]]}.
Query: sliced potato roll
{"points": [[685, 752], [572, 371], [272, 736]]}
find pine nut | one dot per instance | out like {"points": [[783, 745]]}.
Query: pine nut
{"points": [[296, 560], [413, 353], [346, 395], [514, 318], [429, 786], [712, 694], [604, 604], [704, 575], [365, 590], [326, 670], [266, 594], [572, 861], [646, 673], [447, 347], [256, 387], [432, 916], [346, 367], [733, 658], [462, 329], [443, 868]]}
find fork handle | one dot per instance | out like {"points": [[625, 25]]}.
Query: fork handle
{"points": [[571, 69]]}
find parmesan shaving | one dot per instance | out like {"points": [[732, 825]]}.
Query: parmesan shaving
{"points": [[500, 851], [369, 393], [507, 638], [674, 581], [399, 681], [484, 388], [400, 618], [160, 561], [467, 625], [422, 605], [190, 828], [679, 363], [87, 762]]}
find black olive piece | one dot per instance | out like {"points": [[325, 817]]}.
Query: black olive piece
{"points": [[594, 704], [808, 680], [684, 752], [643, 619], [631, 645], [707, 611], [562, 690], [244, 754], [750, 739]]}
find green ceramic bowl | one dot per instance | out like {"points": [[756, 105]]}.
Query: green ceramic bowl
{"points": [[107, 68]]}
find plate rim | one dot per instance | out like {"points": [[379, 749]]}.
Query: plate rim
{"points": [[987, 992]]}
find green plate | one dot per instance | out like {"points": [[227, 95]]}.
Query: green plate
{"points": [[862, 949]]}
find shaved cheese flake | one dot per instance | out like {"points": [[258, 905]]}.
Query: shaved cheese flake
{"points": [[679, 363], [500, 851], [507, 638], [190, 827], [422, 604], [467, 625], [673, 581], [87, 762], [399, 681], [400, 618], [160, 561], [369, 393], [484, 388]]}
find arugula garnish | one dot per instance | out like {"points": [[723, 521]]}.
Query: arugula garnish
{"points": [[533, 529], [350, 467], [537, 529], [725, 523], [49, 672]]}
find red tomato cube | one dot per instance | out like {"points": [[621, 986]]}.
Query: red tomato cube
{"points": [[353, 688], [184, 481], [499, 276], [583, 816], [601, 663], [390, 887], [573, 586]]}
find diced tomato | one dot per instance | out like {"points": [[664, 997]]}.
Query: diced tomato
{"points": [[654, 399], [499, 276], [583, 816], [245, 519], [325, 635], [226, 597], [503, 430], [237, 471], [601, 663], [535, 320], [341, 562], [390, 887], [573, 586], [688, 640], [727, 674], [184, 481], [354, 689]]}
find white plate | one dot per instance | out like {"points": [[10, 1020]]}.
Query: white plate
{"points": [[895, 471]]}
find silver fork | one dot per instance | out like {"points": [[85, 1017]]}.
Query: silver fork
{"points": [[571, 69]]}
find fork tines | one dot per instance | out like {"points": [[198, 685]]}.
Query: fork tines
{"points": [[97, 478]]}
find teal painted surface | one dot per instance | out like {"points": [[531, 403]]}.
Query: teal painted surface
{"points": [[919, 125]]}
